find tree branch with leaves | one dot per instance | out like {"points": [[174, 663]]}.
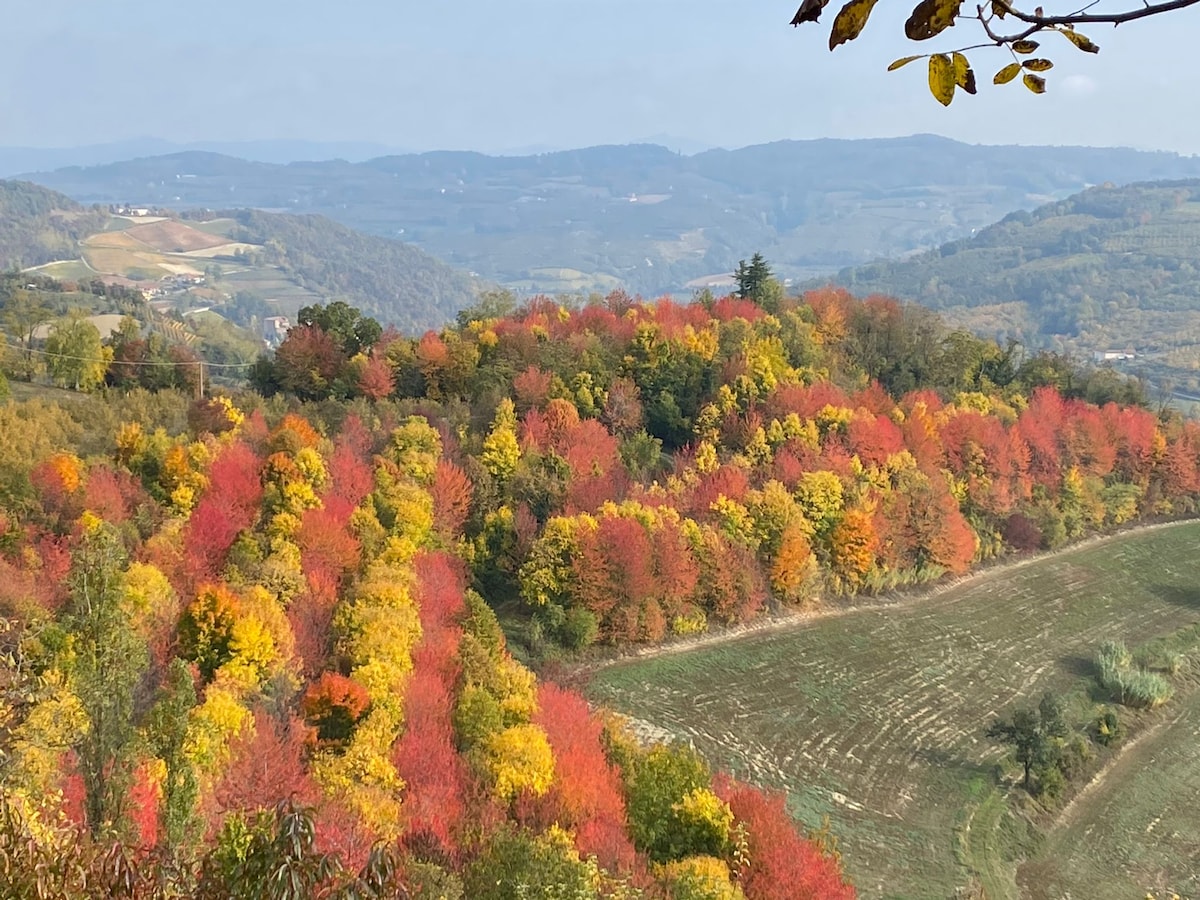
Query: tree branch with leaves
{"points": [[950, 70]]}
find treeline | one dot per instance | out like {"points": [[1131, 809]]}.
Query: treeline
{"points": [[239, 659], [626, 471]]}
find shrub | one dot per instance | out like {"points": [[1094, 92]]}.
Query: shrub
{"points": [[1131, 687], [1113, 656], [1144, 689], [1107, 727], [1051, 782]]}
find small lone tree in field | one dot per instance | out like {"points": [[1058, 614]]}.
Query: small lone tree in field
{"points": [[1036, 736]]}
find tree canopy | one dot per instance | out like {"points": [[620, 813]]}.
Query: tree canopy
{"points": [[1002, 24]]}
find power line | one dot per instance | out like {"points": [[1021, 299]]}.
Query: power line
{"points": [[132, 362]]}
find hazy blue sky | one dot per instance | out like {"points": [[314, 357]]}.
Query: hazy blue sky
{"points": [[499, 75]]}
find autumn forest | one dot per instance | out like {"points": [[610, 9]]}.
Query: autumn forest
{"points": [[314, 635]]}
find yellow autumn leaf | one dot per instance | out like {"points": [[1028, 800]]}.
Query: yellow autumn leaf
{"points": [[1038, 65], [941, 78], [902, 61], [1025, 47], [1083, 43], [964, 75], [930, 18], [850, 21], [1007, 74], [1035, 83]]}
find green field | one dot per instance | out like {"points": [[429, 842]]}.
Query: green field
{"points": [[876, 718], [1138, 830]]}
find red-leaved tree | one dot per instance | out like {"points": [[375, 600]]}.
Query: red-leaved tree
{"points": [[782, 864]]}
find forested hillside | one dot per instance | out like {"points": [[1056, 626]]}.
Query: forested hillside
{"points": [[269, 263], [395, 282], [39, 225], [240, 660], [1112, 267], [255, 635], [628, 471]]}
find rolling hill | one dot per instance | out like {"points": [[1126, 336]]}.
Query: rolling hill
{"points": [[258, 260], [1109, 268], [642, 216], [38, 225]]}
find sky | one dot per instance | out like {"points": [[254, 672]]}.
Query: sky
{"points": [[506, 76]]}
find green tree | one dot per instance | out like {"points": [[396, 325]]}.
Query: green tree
{"points": [[756, 282], [1036, 736], [107, 661], [166, 728], [492, 305], [75, 354], [24, 314], [672, 813], [351, 330], [517, 864]]}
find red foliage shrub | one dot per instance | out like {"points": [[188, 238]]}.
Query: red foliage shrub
{"points": [[732, 587], [783, 865], [310, 615], [426, 758], [728, 481], [326, 544], [731, 307], [587, 791], [531, 388], [107, 493], [74, 792], [1021, 533], [266, 766], [229, 507], [376, 380], [873, 439], [142, 807], [451, 490], [54, 556], [804, 400], [350, 477]]}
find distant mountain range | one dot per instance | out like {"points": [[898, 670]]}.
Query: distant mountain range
{"points": [[15, 160], [642, 216], [1111, 268], [248, 259]]}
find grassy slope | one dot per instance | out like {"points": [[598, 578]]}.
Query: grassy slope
{"points": [[875, 718]]}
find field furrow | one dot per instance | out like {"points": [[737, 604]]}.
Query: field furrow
{"points": [[876, 717]]}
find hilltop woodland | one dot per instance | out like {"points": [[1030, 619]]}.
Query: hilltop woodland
{"points": [[1112, 267], [251, 644]]}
